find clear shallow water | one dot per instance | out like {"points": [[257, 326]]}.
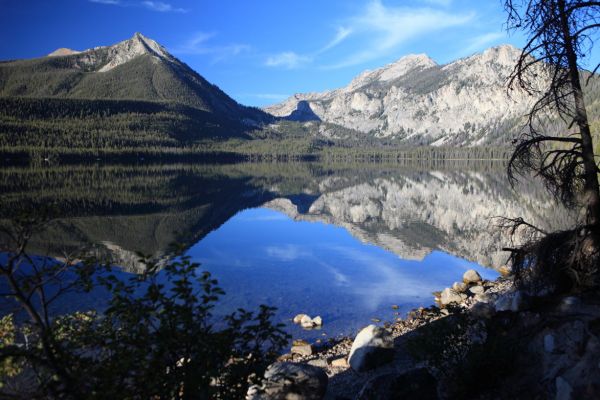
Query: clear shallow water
{"points": [[345, 242], [262, 256]]}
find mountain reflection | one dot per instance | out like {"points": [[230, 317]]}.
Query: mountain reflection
{"points": [[117, 211]]}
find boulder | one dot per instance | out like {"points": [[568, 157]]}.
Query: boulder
{"points": [[299, 317], [510, 301], [450, 296], [372, 347], [413, 384], [339, 362], [302, 349], [471, 276], [317, 321], [306, 322], [478, 289], [459, 287], [284, 380], [483, 310]]}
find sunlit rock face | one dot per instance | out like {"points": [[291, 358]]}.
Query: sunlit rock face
{"points": [[465, 102], [415, 214]]}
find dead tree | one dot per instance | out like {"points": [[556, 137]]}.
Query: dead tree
{"points": [[560, 34]]}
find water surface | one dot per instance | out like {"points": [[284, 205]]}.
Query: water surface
{"points": [[342, 241]]}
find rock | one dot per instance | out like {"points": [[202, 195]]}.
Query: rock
{"points": [[450, 296], [302, 349], [459, 287], [511, 301], [284, 380], [318, 362], [549, 343], [476, 289], [569, 303], [372, 347], [413, 384], [483, 310], [482, 298], [317, 321], [340, 362], [306, 322], [564, 391], [299, 317], [471, 276]]}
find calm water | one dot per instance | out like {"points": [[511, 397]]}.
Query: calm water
{"points": [[343, 242]]}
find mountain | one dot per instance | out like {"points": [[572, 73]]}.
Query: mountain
{"points": [[416, 100], [132, 72]]}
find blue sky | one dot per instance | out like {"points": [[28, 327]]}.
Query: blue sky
{"points": [[261, 51]]}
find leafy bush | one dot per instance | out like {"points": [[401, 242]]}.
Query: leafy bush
{"points": [[157, 339]]}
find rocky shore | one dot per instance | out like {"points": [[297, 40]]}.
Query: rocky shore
{"points": [[482, 339]]}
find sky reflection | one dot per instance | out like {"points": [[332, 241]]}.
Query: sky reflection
{"points": [[263, 256]]}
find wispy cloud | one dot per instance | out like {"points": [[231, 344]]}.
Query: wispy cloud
{"points": [[387, 28], [287, 59], [482, 41], [199, 44], [341, 34], [162, 7], [381, 30]]}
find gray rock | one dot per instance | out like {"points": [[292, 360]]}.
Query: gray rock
{"points": [[306, 322], [318, 362], [459, 287], [569, 303], [302, 349], [471, 276], [339, 362], [284, 381], [299, 317], [549, 343], [450, 296], [511, 301], [483, 310], [564, 391], [413, 384], [372, 347], [477, 289]]}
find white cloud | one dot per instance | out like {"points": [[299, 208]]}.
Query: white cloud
{"points": [[341, 34], [482, 41], [198, 44], [387, 28], [287, 59], [161, 7]]}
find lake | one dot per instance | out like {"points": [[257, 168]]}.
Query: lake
{"points": [[346, 242]]}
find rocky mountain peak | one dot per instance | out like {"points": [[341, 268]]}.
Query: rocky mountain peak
{"points": [[63, 51], [138, 45]]}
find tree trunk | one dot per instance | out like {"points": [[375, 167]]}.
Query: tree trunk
{"points": [[591, 188]]}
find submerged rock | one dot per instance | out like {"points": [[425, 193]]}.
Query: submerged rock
{"points": [[372, 347], [317, 321]]}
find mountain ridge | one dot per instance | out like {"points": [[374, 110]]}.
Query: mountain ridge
{"points": [[137, 68], [419, 102]]}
